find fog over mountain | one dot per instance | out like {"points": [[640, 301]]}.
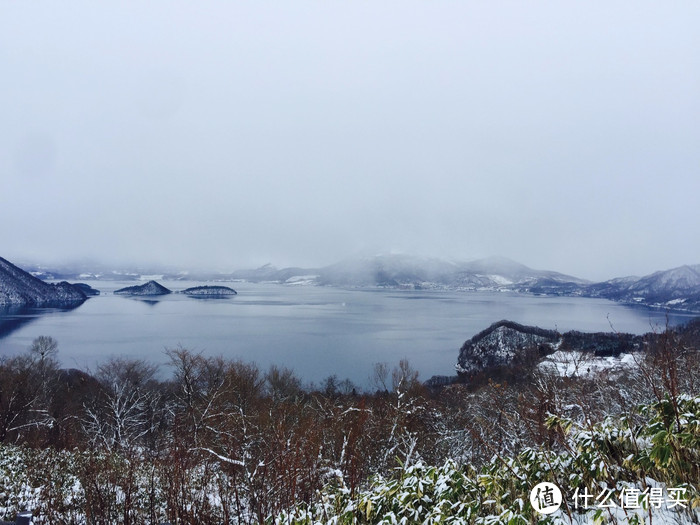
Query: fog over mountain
{"points": [[675, 289], [223, 136]]}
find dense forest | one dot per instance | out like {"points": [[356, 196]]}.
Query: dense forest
{"points": [[221, 441]]}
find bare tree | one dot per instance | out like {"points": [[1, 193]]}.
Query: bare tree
{"points": [[282, 383], [121, 414], [44, 347], [380, 375], [404, 377], [20, 397], [43, 352], [26, 386]]}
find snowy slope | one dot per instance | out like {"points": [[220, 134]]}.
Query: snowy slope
{"points": [[18, 287]]}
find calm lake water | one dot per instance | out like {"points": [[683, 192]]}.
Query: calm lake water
{"points": [[317, 331]]}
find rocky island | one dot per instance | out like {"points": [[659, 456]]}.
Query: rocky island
{"points": [[20, 288], [149, 288], [210, 291]]}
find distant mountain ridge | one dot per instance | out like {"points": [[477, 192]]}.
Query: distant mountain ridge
{"points": [[405, 271], [676, 289], [19, 288]]}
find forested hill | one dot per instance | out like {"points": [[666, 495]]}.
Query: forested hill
{"points": [[509, 344], [19, 288]]}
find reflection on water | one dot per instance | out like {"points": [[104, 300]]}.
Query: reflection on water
{"points": [[14, 317], [317, 331], [151, 302]]}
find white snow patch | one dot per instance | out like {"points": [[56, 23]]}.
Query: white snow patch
{"points": [[499, 279], [299, 280], [586, 364]]}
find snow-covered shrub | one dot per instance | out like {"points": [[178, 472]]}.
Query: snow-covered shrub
{"points": [[645, 461]]}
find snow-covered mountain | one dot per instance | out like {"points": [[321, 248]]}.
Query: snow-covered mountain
{"points": [[678, 288], [503, 273], [18, 287], [675, 289], [388, 271], [407, 271], [268, 273]]}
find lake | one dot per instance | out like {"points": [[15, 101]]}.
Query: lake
{"points": [[317, 331]]}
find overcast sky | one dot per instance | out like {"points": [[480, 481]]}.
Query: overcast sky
{"points": [[226, 135]]}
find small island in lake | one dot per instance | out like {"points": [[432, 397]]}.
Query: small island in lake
{"points": [[150, 288], [210, 291]]}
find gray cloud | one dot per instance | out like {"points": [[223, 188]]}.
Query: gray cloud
{"points": [[224, 135]]}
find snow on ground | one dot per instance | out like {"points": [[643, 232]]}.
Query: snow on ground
{"points": [[300, 280], [586, 364], [499, 279]]}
